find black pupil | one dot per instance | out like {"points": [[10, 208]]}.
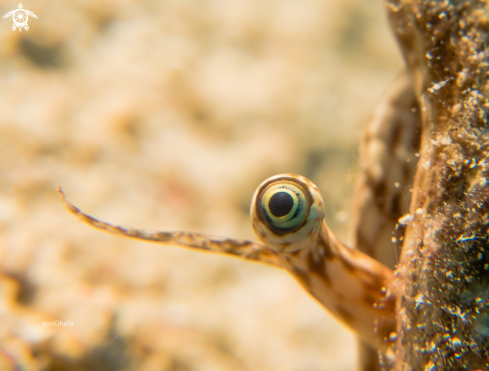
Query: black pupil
{"points": [[280, 204]]}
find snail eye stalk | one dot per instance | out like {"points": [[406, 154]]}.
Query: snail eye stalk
{"points": [[287, 212]]}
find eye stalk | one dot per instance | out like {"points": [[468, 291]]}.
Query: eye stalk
{"points": [[287, 212]]}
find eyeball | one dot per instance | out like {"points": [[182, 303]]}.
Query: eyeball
{"points": [[287, 212]]}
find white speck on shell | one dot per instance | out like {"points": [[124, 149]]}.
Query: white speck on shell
{"points": [[406, 219]]}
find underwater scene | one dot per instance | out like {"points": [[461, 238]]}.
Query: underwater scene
{"points": [[173, 116]]}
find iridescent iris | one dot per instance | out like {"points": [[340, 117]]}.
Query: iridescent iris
{"points": [[284, 205]]}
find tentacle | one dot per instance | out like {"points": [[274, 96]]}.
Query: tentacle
{"points": [[243, 249]]}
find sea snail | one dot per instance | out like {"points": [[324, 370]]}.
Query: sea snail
{"points": [[287, 214]]}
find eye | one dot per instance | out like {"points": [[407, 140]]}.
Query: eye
{"points": [[284, 205], [287, 212]]}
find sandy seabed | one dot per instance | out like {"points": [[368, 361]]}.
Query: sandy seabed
{"points": [[166, 115]]}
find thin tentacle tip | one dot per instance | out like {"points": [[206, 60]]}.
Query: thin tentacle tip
{"points": [[72, 208], [61, 193], [64, 199]]}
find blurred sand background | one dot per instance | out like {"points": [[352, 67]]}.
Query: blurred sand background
{"points": [[166, 115]]}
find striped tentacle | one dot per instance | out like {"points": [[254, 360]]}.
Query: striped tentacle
{"points": [[243, 249]]}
